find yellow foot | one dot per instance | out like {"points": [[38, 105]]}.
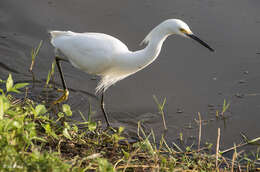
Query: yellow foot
{"points": [[60, 90], [63, 98]]}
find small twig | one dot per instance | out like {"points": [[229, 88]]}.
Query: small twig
{"points": [[139, 166], [252, 141], [232, 148], [179, 149], [120, 160], [217, 149], [59, 146], [26, 92], [239, 168], [199, 131], [224, 159], [234, 158], [33, 78]]}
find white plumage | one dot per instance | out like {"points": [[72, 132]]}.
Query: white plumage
{"points": [[94, 53], [108, 57]]}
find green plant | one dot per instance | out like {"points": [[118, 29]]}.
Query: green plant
{"points": [[161, 107]]}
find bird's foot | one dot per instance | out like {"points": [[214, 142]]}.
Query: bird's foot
{"points": [[63, 98]]}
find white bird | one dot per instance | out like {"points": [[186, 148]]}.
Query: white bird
{"points": [[108, 57]]}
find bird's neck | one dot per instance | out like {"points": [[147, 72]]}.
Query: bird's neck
{"points": [[138, 60], [147, 55]]}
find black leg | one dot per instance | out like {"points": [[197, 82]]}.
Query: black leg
{"points": [[61, 73], [103, 109], [65, 95]]}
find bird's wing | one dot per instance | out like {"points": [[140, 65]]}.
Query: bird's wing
{"points": [[91, 52]]}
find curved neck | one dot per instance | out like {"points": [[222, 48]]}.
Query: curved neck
{"points": [[139, 59], [152, 50]]}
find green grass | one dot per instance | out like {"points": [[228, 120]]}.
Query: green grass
{"points": [[32, 138]]}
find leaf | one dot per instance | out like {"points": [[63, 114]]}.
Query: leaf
{"points": [[53, 67], [66, 134], [35, 51], [66, 109], [4, 106], [48, 78], [60, 115], [147, 144], [16, 124], [40, 109], [188, 149], [126, 154], [104, 165], [38, 48], [2, 81], [50, 73], [1, 108], [32, 54], [92, 126], [66, 125], [9, 83], [47, 128], [75, 128], [14, 90], [120, 129], [253, 141], [82, 116], [49, 131], [20, 85], [39, 139]]}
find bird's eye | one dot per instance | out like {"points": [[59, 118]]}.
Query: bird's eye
{"points": [[183, 30]]}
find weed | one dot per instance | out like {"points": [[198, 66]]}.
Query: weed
{"points": [[32, 139]]}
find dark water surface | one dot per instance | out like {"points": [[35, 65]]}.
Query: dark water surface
{"points": [[190, 77]]}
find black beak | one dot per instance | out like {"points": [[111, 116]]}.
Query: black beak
{"points": [[200, 41]]}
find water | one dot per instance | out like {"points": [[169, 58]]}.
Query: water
{"points": [[193, 80]]}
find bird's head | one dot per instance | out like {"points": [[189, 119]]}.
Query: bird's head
{"points": [[178, 27]]}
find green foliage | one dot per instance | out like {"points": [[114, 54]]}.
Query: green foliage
{"points": [[116, 137], [92, 126], [18, 136], [66, 109], [45, 161], [10, 87], [225, 107], [161, 107], [39, 110], [65, 131], [4, 106], [50, 73], [49, 131], [9, 83], [31, 139], [35, 51], [105, 166]]}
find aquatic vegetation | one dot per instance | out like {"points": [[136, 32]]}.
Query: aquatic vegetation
{"points": [[33, 139]]}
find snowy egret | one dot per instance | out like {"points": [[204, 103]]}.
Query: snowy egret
{"points": [[108, 57]]}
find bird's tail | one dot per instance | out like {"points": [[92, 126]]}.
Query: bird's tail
{"points": [[56, 33]]}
